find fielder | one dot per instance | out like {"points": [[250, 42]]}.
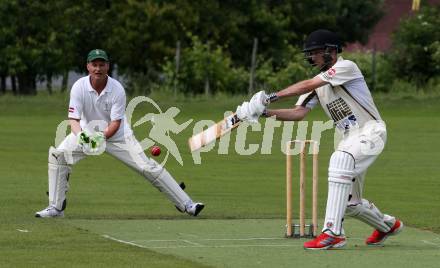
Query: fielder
{"points": [[342, 92], [98, 124]]}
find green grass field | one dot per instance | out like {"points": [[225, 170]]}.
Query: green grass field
{"points": [[115, 218]]}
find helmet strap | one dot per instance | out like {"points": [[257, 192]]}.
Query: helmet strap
{"points": [[309, 59], [327, 59]]}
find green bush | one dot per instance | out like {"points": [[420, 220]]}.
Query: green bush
{"points": [[406, 90], [201, 64], [416, 47], [293, 69], [381, 78], [139, 84]]}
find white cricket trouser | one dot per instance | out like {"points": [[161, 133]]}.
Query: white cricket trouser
{"points": [[130, 152], [364, 146]]}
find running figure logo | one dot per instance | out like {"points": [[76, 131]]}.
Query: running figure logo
{"points": [[163, 123]]}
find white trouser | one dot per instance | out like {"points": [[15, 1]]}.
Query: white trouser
{"points": [[130, 152], [365, 146]]}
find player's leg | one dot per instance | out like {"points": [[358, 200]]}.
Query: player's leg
{"points": [[59, 169], [131, 153], [341, 173], [365, 211], [384, 225], [366, 147]]}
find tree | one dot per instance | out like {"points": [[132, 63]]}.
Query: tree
{"points": [[143, 33], [278, 24], [205, 68], [352, 20], [29, 30], [89, 25], [41, 39], [416, 47]]}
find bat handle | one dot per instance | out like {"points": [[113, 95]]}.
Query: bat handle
{"points": [[272, 97]]}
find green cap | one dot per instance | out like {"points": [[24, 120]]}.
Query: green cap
{"points": [[97, 54]]}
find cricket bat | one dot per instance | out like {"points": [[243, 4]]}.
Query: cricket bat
{"points": [[214, 132]]}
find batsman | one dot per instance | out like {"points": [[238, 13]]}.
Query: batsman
{"points": [[342, 92], [98, 124]]}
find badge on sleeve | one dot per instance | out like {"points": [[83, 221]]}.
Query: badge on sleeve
{"points": [[331, 72]]}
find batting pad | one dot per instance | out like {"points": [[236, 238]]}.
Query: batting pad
{"points": [[165, 183], [368, 213], [341, 172], [58, 174]]}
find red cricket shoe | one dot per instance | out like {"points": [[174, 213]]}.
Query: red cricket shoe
{"points": [[325, 241], [378, 237]]}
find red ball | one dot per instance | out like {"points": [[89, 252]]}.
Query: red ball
{"points": [[155, 150]]}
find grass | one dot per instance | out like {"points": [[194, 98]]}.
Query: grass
{"points": [[403, 182], [259, 243]]}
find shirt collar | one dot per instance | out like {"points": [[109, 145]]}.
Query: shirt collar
{"points": [[105, 90]]}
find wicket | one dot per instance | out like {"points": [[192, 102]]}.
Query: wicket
{"points": [[292, 229]]}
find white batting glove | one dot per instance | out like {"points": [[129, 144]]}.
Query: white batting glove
{"points": [[244, 113], [252, 110], [258, 103]]}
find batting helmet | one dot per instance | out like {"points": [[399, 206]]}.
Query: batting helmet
{"points": [[321, 39]]}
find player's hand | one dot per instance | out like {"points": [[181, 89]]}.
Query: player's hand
{"points": [[245, 114], [258, 103], [252, 110], [83, 137], [92, 143], [97, 140]]}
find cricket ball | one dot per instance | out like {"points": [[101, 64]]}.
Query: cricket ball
{"points": [[155, 150]]}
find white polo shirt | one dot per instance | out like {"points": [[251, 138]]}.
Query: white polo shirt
{"points": [[346, 98], [85, 104]]}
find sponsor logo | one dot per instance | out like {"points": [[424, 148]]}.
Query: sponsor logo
{"points": [[339, 109], [331, 72]]}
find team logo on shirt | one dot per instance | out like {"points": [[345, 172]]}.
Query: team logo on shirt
{"points": [[107, 106]]}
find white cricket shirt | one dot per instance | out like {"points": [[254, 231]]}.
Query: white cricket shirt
{"points": [[85, 104], [346, 99]]}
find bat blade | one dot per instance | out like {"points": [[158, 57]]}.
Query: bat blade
{"points": [[213, 133]]}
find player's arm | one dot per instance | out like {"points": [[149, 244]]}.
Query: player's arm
{"points": [[250, 111], [117, 114], [75, 109], [296, 114], [112, 128], [301, 87], [74, 125]]}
